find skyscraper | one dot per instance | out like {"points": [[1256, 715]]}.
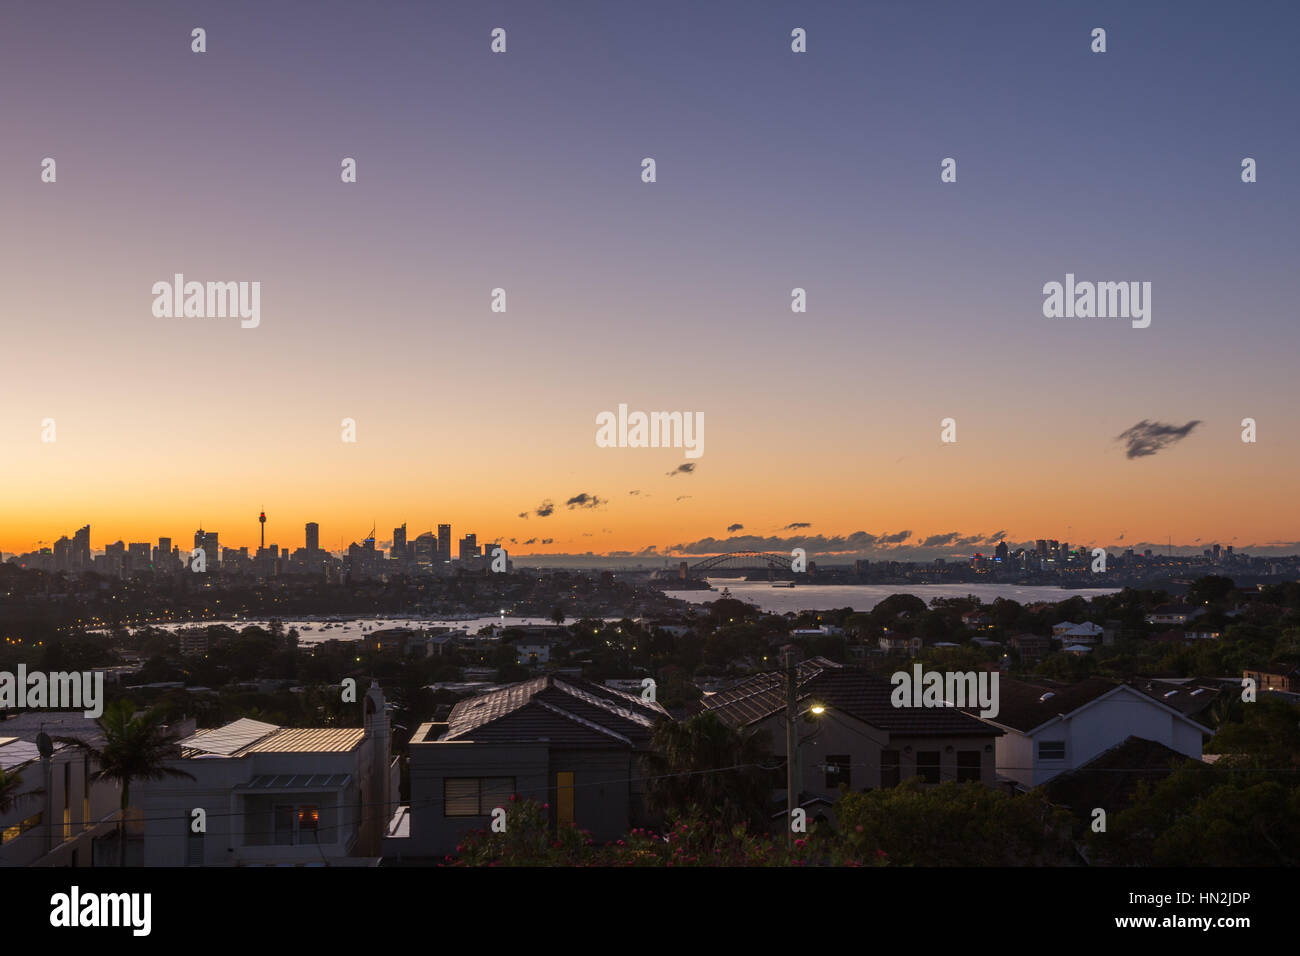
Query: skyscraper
{"points": [[469, 547], [81, 549], [444, 543], [207, 540], [313, 537], [398, 551]]}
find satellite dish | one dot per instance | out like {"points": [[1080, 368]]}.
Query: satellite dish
{"points": [[44, 745]]}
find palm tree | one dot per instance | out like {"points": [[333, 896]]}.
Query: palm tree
{"points": [[9, 795], [135, 747], [685, 764]]}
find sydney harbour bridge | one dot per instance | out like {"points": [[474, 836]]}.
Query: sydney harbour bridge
{"points": [[754, 565]]}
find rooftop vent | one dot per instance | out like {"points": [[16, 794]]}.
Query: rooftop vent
{"points": [[1046, 697]]}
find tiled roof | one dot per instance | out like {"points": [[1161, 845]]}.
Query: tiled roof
{"points": [[1024, 706], [848, 690], [1186, 697], [557, 709], [1110, 779]]}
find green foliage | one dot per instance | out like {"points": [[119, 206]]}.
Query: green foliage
{"points": [[953, 824], [683, 778]]}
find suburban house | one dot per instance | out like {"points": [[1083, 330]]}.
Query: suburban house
{"points": [[1110, 780], [1032, 647], [1068, 633], [65, 825], [274, 795], [894, 643], [860, 740], [566, 742], [1174, 614], [1052, 728], [1277, 679], [979, 620], [533, 653]]}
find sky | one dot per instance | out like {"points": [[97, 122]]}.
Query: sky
{"points": [[774, 170]]}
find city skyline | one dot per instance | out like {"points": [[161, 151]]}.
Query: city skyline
{"points": [[915, 547]]}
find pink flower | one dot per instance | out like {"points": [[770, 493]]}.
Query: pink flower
{"points": [[546, 806], [858, 828]]}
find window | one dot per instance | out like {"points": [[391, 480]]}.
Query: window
{"points": [[927, 765], [889, 770], [85, 793], [18, 829], [296, 824], [1051, 750], [968, 765], [837, 771], [475, 796]]}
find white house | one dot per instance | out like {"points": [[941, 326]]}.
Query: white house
{"points": [[1052, 729], [274, 795], [534, 652], [1086, 633], [61, 810]]}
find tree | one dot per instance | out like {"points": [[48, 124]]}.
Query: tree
{"points": [[9, 795], [702, 766], [954, 824], [557, 615], [135, 747]]}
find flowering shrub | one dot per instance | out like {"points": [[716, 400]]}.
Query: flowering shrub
{"points": [[691, 840]]}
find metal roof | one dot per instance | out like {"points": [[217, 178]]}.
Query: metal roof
{"points": [[297, 781], [308, 740], [227, 740], [17, 752]]}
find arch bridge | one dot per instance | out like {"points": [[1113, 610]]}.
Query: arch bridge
{"points": [[742, 561]]}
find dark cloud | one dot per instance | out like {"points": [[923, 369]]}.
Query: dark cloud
{"points": [[796, 525], [636, 491], [995, 538], [939, 540], [858, 541], [551, 541], [897, 538], [683, 497], [524, 515], [735, 527], [583, 500], [531, 541], [685, 468], [1146, 438], [545, 509]]}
